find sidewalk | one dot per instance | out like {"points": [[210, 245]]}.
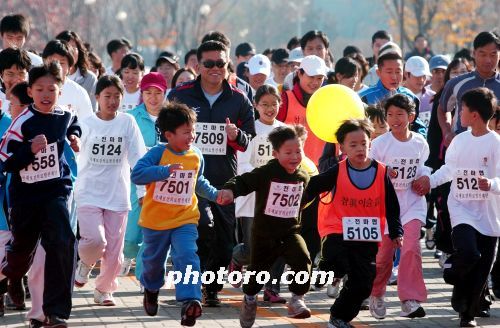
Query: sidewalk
{"points": [[129, 312]]}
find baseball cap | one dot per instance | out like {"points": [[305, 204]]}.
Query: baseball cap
{"points": [[168, 56], [280, 56], [390, 48], [153, 79], [259, 64], [417, 66], [296, 55], [245, 49], [439, 61], [313, 65]]}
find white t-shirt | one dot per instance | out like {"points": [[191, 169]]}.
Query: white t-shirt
{"points": [[109, 71], [109, 151], [76, 99], [480, 154], [35, 59], [245, 205], [5, 104], [130, 100], [408, 159]]}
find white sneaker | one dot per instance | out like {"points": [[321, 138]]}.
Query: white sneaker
{"points": [[104, 299], [297, 308], [377, 307], [126, 265], [443, 258], [82, 274], [333, 290], [412, 309]]}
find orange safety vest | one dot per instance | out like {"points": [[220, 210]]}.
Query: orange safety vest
{"points": [[349, 200], [296, 114]]}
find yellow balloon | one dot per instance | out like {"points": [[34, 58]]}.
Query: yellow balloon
{"points": [[329, 107]]}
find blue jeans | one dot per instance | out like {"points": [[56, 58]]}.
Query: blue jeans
{"points": [[182, 240]]}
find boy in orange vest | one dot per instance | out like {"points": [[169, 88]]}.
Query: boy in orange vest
{"points": [[363, 201]]}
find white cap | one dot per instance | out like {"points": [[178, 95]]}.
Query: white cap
{"points": [[259, 64], [417, 66], [296, 55], [313, 65]]}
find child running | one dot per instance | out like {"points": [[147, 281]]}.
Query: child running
{"points": [[473, 166], [363, 200], [278, 187], [111, 145], [172, 174], [404, 152], [258, 153], [33, 151]]}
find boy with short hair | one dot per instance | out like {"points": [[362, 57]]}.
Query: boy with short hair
{"points": [[14, 67], [117, 49], [473, 166], [363, 200], [172, 173], [14, 30], [278, 187]]}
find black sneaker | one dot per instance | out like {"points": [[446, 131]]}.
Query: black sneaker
{"points": [[467, 322], [54, 321], [211, 299], [15, 290], [191, 310], [150, 302], [35, 323], [9, 305]]}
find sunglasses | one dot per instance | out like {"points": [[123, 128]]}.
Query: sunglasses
{"points": [[212, 63]]}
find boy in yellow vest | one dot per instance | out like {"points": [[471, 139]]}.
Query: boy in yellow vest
{"points": [[172, 173]]}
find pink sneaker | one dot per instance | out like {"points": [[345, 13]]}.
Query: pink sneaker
{"points": [[235, 267], [273, 297]]}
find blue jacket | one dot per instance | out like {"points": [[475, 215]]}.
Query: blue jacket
{"points": [[146, 125], [378, 93], [232, 104], [5, 121]]}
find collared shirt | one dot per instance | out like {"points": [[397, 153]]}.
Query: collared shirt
{"points": [[455, 88]]}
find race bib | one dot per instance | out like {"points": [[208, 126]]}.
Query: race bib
{"points": [[106, 150], [361, 229], [467, 185], [425, 117], [178, 189], [283, 200], [406, 170], [211, 138], [262, 151], [44, 167]]}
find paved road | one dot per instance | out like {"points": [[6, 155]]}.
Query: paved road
{"points": [[129, 312]]}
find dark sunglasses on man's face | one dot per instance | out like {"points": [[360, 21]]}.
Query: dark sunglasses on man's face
{"points": [[211, 63]]}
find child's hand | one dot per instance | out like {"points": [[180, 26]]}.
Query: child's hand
{"points": [[421, 186], [140, 201], [392, 173], [175, 167], [397, 242], [225, 197], [74, 143], [484, 183], [231, 130], [38, 143]]}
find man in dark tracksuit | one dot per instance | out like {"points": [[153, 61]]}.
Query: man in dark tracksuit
{"points": [[39, 206], [218, 105]]}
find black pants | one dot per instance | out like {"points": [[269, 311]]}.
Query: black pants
{"points": [[309, 228], [265, 251], [470, 265], [49, 223], [443, 224], [216, 238], [357, 260]]}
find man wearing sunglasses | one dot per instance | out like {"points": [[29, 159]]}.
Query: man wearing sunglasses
{"points": [[225, 125]]}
